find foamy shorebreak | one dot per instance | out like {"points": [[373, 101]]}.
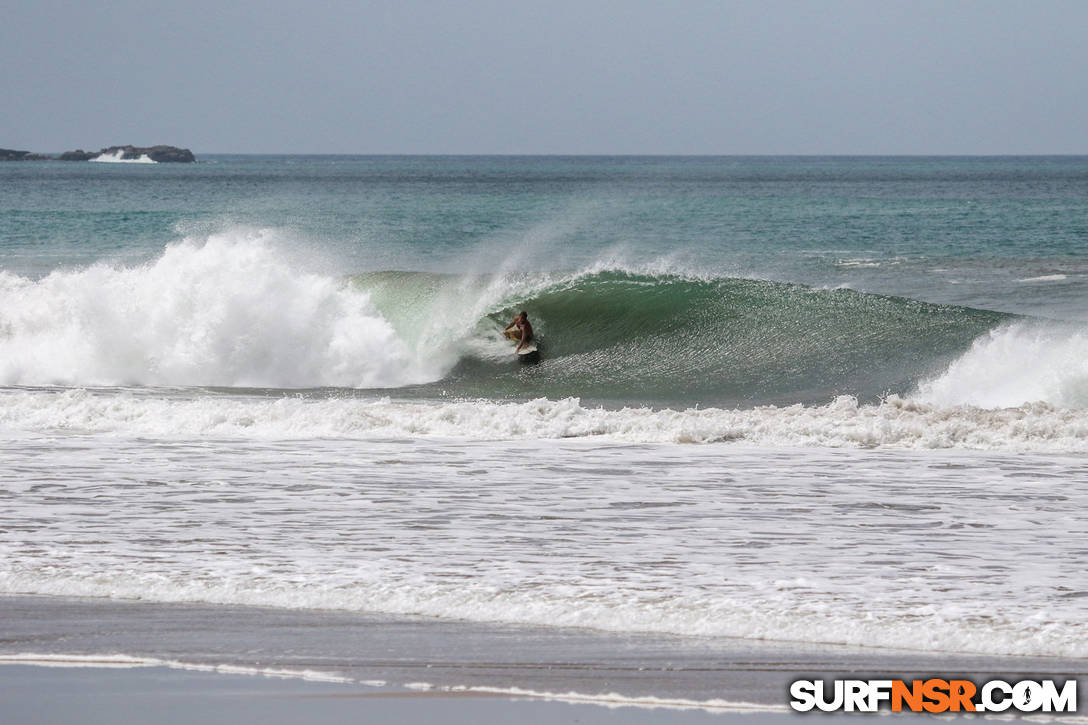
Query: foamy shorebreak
{"points": [[895, 423]]}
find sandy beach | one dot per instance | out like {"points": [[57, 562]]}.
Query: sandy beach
{"points": [[93, 694], [197, 663]]}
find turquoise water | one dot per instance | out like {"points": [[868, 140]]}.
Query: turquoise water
{"points": [[797, 219], [650, 279]]}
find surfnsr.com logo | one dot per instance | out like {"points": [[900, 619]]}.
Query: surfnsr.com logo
{"points": [[933, 695]]}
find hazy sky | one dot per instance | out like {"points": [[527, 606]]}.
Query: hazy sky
{"points": [[558, 76]]}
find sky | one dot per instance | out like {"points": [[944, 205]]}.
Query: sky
{"points": [[555, 77]]}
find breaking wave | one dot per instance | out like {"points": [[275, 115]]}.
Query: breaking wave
{"points": [[235, 310], [1021, 363], [224, 311], [117, 157]]}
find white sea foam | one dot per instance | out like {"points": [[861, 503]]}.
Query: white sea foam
{"points": [[895, 423], [229, 310], [1015, 365], [119, 661], [116, 158], [866, 547], [799, 609], [123, 661], [863, 262], [1044, 278], [609, 700]]}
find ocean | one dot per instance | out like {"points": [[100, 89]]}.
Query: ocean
{"points": [[824, 401]]}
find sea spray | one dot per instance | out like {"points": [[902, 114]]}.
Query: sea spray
{"points": [[222, 311], [1024, 362], [117, 157]]}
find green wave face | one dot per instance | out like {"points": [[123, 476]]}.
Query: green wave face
{"points": [[663, 339]]}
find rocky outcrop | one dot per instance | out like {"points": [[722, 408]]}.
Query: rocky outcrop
{"points": [[170, 154], [161, 154], [79, 155], [13, 155]]}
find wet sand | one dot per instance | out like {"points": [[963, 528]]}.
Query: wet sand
{"points": [[412, 668], [89, 695]]}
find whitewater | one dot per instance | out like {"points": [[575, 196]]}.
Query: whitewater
{"points": [[282, 383], [86, 349]]}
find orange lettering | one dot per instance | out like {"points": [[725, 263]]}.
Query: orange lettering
{"points": [[961, 692], [911, 695], [936, 691]]}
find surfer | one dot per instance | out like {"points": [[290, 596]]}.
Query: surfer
{"points": [[524, 335]]}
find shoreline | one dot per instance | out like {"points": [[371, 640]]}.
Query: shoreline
{"points": [[458, 659], [95, 694]]}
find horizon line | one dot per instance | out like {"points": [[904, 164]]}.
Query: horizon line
{"points": [[643, 155]]}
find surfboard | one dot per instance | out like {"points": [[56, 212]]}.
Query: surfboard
{"points": [[528, 354]]}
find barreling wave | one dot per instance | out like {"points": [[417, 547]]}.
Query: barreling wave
{"points": [[233, 310], [666, 339]]}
